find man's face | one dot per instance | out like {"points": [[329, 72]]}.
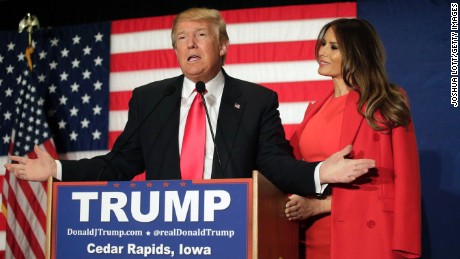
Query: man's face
{"points": [[198, 50]]}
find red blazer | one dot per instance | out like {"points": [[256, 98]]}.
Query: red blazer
{"points": [[381, 218]]}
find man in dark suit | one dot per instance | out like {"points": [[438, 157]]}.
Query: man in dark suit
{"points": [[249, 134]]}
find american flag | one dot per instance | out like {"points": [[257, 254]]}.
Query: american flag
{"points": [[22, 108], [68, 90], [73, 67]]}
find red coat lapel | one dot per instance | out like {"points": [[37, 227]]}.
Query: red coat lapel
{"points": [[352, 119]]}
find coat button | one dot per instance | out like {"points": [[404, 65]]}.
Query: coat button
{"points": [[371, 224], [376, 137]]}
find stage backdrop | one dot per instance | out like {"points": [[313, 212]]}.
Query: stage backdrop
{"points": [[83, 77], [87, 72]]}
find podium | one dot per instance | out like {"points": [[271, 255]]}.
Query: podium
{"points": [[215, 218]]}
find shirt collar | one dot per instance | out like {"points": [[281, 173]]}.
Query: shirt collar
{"points": [[214, 87]]}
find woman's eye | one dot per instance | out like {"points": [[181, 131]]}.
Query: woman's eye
{"points": [[334, 47]]}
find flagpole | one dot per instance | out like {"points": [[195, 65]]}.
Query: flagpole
{"points": [[29, 23]]}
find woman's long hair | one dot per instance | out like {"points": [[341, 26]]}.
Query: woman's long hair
{"points": [[384, 105]]}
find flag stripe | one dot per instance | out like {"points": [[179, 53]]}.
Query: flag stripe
{"points": [[271, 52], [294, 12], [22, 222], [13, 248], [303, 91], [268, 72], [281, 31], [239, 53], [291, 92]]}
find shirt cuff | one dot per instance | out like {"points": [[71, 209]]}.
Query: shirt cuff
{"points": [[59, 170], [319, 188]]}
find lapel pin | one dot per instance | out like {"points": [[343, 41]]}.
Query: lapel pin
{"points": [[237, 105]]}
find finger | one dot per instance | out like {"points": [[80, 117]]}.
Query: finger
{"points": [[293, 197], [289, 204], [290, 210], [14, 167], [368, 163], [40, 152], [351, 178], [16, 172], [19, 159], [361, 169], [345, 151], [358, 172], [290, 216]]}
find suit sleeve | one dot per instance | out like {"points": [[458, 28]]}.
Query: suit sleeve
{"points": [[407, 211], [124, 161], [275, 157]]}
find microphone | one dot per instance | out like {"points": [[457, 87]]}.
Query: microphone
{"points": [[168, 91], [201, 88]]}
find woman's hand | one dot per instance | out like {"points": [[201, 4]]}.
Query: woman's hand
{"points": [[300, 208]]}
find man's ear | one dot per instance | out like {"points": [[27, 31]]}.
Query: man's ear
{"points": [[223, 48]]}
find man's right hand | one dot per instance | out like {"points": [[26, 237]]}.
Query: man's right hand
{"points": [[38, 169]]}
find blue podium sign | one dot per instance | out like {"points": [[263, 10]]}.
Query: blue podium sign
{"points": [[160, 219]]}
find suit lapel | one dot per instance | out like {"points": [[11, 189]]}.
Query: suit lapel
{"points": [[170, 108], [230, 113], [352, 119], [167, 119]]}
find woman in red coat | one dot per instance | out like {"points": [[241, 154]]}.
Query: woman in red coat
{"points": [[378, 216]]}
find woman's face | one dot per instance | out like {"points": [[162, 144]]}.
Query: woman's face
{"points": [[330, 58]]}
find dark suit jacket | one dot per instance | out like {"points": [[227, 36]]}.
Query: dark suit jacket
{"points": [[249, 136]]}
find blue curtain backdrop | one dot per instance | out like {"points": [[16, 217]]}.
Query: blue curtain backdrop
{"points": [[416, 34]]}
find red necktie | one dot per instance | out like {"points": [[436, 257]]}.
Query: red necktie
{"points": [[193, 144]]}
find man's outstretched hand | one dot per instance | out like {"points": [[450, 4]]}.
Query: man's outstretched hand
{"points": [[338, 169], [38, 169]]}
